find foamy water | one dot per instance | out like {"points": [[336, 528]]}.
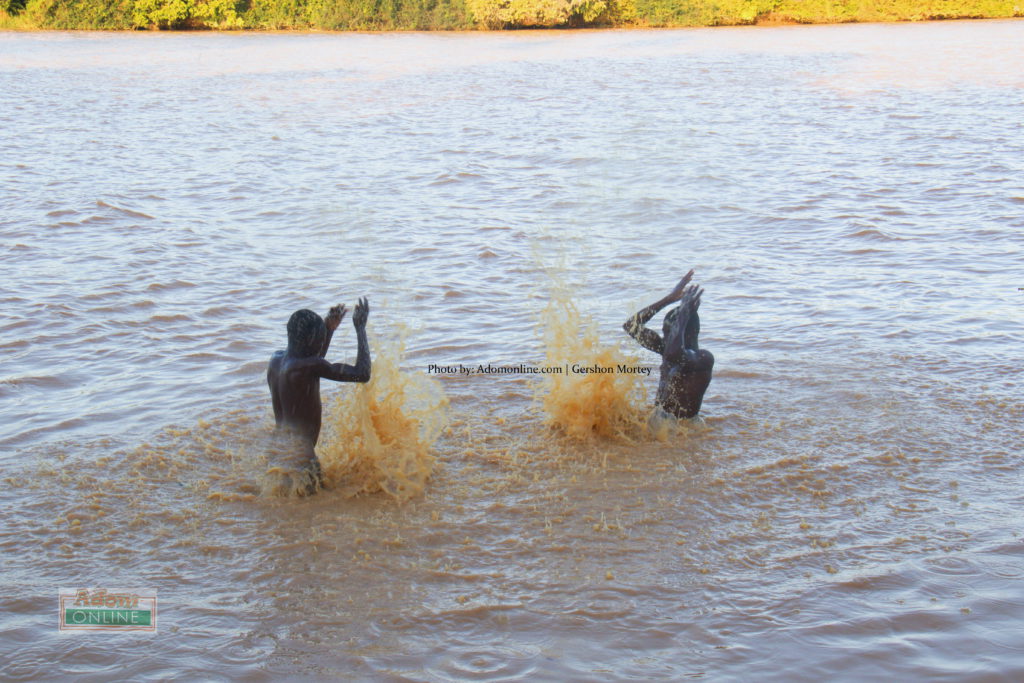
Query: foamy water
{"points": [[851, 199]]}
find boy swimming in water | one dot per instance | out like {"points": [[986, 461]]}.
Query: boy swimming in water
{"points": [[685, 367], [294, 377]]}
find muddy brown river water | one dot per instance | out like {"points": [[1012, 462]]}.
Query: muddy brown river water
{"points": [[850, 196]]}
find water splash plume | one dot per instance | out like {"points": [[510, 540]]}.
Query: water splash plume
{"points": [[583, 406], [378, 436]]}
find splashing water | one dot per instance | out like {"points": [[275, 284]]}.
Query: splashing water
{"points": [[583, 406], [287, 472], [378, 437]]}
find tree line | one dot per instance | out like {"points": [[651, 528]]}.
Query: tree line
{"points": [[383, 15]]}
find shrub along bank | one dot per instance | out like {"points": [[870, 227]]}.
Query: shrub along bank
{"points": [[340, 15]]}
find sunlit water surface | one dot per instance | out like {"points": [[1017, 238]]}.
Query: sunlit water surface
{"points": [[850, 196]]}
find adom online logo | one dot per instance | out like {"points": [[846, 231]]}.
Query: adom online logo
{"points": [[99, 609]]}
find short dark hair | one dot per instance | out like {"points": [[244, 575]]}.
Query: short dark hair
{"points": [[305, 333]]}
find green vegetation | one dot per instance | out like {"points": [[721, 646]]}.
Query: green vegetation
{"points": [[376, 15]]}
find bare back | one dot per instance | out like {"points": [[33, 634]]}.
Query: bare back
{"points": [[293, 375], [295, 392], [685, 367], [682, 385]]}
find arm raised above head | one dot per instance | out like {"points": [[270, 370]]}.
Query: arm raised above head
{"points": [[343, 372], [360, 372], [676, 348], [331, 322], [635, 326], [648, 338]]}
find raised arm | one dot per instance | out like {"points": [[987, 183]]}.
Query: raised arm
{"points": [[331, 322], [360, 372], [635, 326], [676, 349]]}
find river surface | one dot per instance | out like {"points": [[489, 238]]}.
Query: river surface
{"points": [[851, 198]]}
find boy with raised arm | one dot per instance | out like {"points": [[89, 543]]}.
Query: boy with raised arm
{"points": [[685, 367], [294, 376]]}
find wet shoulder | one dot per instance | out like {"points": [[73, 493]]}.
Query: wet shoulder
{"points": [[304, 364]]}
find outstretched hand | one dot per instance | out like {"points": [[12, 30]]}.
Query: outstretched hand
{"points": [[335, 316], [691, 298], [361, 313], [677, 293]]}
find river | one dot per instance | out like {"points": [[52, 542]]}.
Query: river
{"points": [[851, 197]]}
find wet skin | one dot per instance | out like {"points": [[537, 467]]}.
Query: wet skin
{"points": [[294, 378], [685, 367]]}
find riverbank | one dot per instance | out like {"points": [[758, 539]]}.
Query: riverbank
{"points": [[447, 15]]}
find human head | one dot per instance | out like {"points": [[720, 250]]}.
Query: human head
{"points": [[690, 334], [306, 332]]}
